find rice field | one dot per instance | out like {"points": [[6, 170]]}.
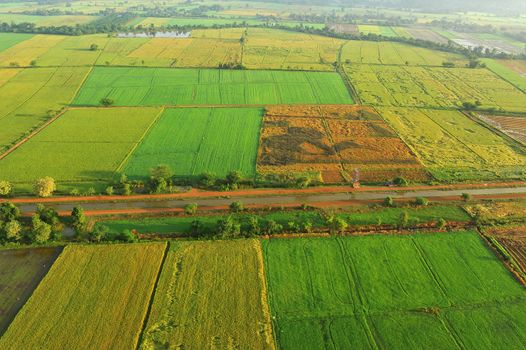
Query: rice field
{"points": [[453, 147], [87, 292], [23, 53], [203, 301], [378, 30], [514, 127], [47, 21], [10, 39], [29, 97], [22, 270], [162, 86], [511, 71], [371, 292], [193, 141], [391, 53], [434, 87], [81, 145]]}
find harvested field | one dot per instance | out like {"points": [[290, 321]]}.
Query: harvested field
{"points": [[333, 141], [211, 295], [427, 34], [22, 270], [455, 148], [514, 127], [498, 211], [345, 28], [192, 141], [96, 295], [371, 52], [513, 239], [81, 145], [165, 86], [433, 87], [397, 291]]}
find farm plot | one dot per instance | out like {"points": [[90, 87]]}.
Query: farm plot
{"points": [[202, 300], [32, 96], [96, 295], [400, 292], [371, 52], [164, 86], [500, 212], [426, 34], [514, 71], [515, 127], [275, 49], [81, 145], [22, 270], [513, 239], [47, 21], [193, 141], [189, 52], [334, 140], [433, 87], [23, 53], [453, 147], [74, 51], [10, 39], [378, 30]]}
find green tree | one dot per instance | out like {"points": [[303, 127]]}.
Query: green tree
{"points": [[307, 226], [403, 221], [5, 188], [207, 180], [466, 197], [40, 231], [79, 220], [441, 223], [389, 201], [228, 227], [94, 47], [9, 212], [254, 227], [109, 190], [272, 227], [400, 181], [234, 177], [45, 187], [421, 201], [126, 236], [106, 102], [12, 231], [50, 216], [99, 233], [196, 228]]}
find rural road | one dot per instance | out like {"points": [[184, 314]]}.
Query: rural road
{"points": [[141, 205]]}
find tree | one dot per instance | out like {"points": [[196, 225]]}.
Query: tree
{"points": [[78, 220], [106, 102], [254, 227], [272, 227], [389, 201], [196, 228], [441, 223], [159, 178], [98, 233], [126, 190], [400, 181], [40, 231], [236, 207], [94, 47], [421, 201], [190, 209], [12, 231], [50, 216], [126, 236], [233, 177], [207, 180], [45, 187], [227, 227], [109, 190], [5, 188], [306, 226], [9, 212], [336, 224], [403, 221]]}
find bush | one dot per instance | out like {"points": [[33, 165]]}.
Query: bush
{"points": [[45, 187], [307, 226], [400, 181], [126, 190], [389, 201], [5, 188], [126, 236], [233, 177], [12, 231], [109, 190], [236, 207], [9, 212], [403, 220], [99, 233], [207, 180], [254, 227], [441, 223], [79, 221], [40, 231], [227, 227], [106, 102], [466, 197], [421, 201], [272, 227], [190, 209]]}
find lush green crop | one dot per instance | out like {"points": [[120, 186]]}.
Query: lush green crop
{"points": [[163, 86], [389, 291], [84, 144], [197, 140], [93, 296], [9, 39], [211, 293]]}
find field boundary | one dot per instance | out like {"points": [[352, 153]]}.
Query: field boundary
{"points": [[32, 134], [152, 296]]}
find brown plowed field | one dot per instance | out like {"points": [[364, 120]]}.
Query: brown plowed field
{"points": [[335, 141], [514, 240], [514, 127]]}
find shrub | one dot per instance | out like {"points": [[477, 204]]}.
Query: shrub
{"points": [[441, 223], [403, 220], [106, 102], [307, 226], [98, 233], [389, 201], [126, 190], [207, 180], [78, 220], [227, 227], [233, 177], [421, 201], [40, 231], [12, 231], [126, 236], [272, 227], [45, 187], [466, 197], [9, 212], [236, 207], [254, 227], [190, 209], [400, 181]]}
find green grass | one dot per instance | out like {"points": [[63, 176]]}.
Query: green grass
{"points": [[82, 145], [164, 86], [354, 216], [196, 140], [378, 288], [210, 293], [22, 270], [93, 296], [10, 39]]}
